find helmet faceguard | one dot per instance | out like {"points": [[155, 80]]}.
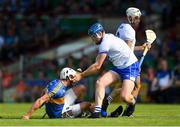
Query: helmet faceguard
{"points": [[133, 15], [67, 73]]}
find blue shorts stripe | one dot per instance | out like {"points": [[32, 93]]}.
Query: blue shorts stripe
{"points": [[103, 52]]}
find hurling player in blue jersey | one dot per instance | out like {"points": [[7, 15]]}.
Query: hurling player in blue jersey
{"points": [[59, 102]]}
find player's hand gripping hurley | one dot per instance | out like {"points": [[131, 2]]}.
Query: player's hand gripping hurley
{"points": [[151, 36]]}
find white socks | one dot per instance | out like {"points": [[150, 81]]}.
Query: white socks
{"points": [[133, 101], [97, 109]]}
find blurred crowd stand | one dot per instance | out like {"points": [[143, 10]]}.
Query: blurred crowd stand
{"points": [[28, 27], [162, 87]]}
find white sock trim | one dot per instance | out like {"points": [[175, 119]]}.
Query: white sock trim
{"points": [[97, 109], [133, 101]]}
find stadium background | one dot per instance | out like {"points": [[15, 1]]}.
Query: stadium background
{"points": [[39, 37]]}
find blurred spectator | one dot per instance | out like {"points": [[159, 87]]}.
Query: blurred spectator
{"points": [[27, 92], [177, 57], [177, 76], [10, 43], [28, 25], [52, 28], [158, 6], [40, 34], [6, 78], [11, 38], [1, 87], [1, 42], [41, 6], [177, 83], [70, 61], [73, 7], [161, 88], [23, 6], [150, 75], [38, 85], [25, 35], [84, 62], [51, 70], [33, 86], [20, 89], [87, 6]]}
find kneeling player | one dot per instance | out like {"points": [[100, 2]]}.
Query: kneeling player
{"points": [[59, 102]]}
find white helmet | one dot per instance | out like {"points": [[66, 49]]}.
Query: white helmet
{"points": [[133, 12], [67, 72]]}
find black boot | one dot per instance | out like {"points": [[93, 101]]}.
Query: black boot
{"points": [[129, 110], [95, 115], [105, 105], [117, 112]]}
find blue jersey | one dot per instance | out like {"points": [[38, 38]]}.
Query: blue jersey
{"points": [[56, 91], [163, 78]]}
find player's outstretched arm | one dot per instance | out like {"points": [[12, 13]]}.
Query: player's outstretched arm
{"points": [[37, 104], [96, 66], [91, 69], [142, 47], [138, 48]]}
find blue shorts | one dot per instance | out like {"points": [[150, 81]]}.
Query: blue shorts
{"points": [[54, 110], [129, 73]]}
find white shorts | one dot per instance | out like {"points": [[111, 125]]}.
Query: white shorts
{"points": [[70, 110]]}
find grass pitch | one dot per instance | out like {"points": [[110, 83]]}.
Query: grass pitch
{"points": [[145, 115]]}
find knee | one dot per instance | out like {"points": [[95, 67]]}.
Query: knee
{"points": [[138, 83], [79, 90], [124, 97], [86, 106], [99, 84], [82, 88], [137, 86]]}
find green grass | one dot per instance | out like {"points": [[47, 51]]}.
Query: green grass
{"points": [[145, 115]]}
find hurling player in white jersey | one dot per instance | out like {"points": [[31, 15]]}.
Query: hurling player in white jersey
{"points": [[126, 31], [125, 66]]}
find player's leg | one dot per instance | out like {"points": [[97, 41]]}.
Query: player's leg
{"points": [[131, 108], [105, 80], [80, 92], [71, 110], [109, 99], [116, 91], [126, 95], [73, 94], [133, 74], [126, 92], [137, 87], [74, 110]]}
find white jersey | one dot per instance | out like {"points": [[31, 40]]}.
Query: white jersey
{"points": [[126, 32], [117, 50]]}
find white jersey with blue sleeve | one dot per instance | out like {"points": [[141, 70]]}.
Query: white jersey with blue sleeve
{"points": [[126, 32], [117, 50]]}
